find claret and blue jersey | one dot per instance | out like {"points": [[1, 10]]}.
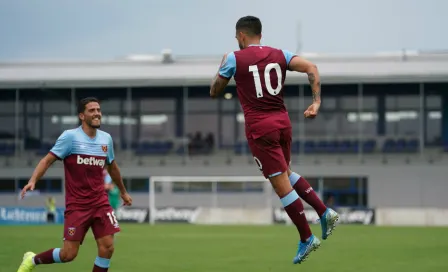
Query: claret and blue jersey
{"points": [[259, 72], [84, 160]]}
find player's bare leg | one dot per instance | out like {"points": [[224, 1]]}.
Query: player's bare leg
{"points": [[328, 217], [294, 208], [105, 251], [67, 253]]}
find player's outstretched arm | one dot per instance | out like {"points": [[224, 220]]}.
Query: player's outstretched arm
{"points": [[39, 171], [302, 65], [222, 77], [115, 174], [218, 86]]}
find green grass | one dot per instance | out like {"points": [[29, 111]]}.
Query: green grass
{"points": [[239, 248]]}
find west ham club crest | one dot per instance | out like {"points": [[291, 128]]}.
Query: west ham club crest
{"points": [[71, 231]]}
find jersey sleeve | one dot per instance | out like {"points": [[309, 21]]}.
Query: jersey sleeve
{"points": [[228, 67], [110, 151], [288, 56], [63, 145]]}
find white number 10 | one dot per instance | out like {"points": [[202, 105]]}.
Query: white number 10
{"points": [[267, 79], [112, 218]]}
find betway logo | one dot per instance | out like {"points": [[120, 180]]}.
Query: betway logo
{"points": [[91, 161], [171, 214], [22, 215], [132, 214]]}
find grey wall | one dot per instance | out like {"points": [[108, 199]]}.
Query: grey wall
{"points": [[389, 186]]}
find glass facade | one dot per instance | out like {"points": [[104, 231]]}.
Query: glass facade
{"points": [[183, 126]]}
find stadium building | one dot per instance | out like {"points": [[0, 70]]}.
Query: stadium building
{"points": [[380, 141]]}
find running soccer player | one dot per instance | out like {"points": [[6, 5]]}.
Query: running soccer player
{"points": [[259, 72], [85, 150], [113, 191]]}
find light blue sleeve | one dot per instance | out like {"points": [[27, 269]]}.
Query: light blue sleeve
{"points": [[108, 179], [288, 56], [228, 67], [63, 145], [110, 151]]}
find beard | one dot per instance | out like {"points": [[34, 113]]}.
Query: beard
{"points": [[90, 124]]}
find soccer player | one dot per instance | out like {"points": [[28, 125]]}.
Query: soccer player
{"points": [[259, 72], [113, 191], [85, 150]]}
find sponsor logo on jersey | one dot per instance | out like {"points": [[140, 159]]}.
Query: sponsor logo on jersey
{"points": [[90, 161]]}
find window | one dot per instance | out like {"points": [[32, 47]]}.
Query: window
{"points": [[141, 185], [346, 191], [338, 183], [240, 187], [391, 116], [7, 186], [221, 187], [229, 187], [199, 186], [256, 187], [46, 185], [191, 187]]}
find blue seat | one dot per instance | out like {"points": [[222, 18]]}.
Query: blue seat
{"points": [[354, 146], [132, 145], [332, 147], [310, 147], [322, 146], [412, 145], [389, 146], [181, 150], [154, 148], [7, 149], [343, 146], [369, 146], [295, 147], [44, 149], [241, 148], [400, 146]]}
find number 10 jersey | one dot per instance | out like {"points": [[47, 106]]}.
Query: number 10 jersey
{"points": [[259, 72]]}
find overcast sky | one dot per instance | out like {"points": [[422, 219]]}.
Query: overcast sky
{"points": [[106, 29]]}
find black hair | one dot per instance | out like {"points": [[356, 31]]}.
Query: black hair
{"points": [[83, 102], [251, 25]]}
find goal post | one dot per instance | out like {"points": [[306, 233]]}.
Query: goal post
{"points": [[214, 180], [224, 200]]}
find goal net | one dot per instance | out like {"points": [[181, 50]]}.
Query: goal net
{"points": [[211, 199]]}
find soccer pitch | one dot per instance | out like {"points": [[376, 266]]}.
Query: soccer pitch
{"points": [[239, 249]]}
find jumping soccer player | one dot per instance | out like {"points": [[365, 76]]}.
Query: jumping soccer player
{"points": [[259, 72], [85, 151]]}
